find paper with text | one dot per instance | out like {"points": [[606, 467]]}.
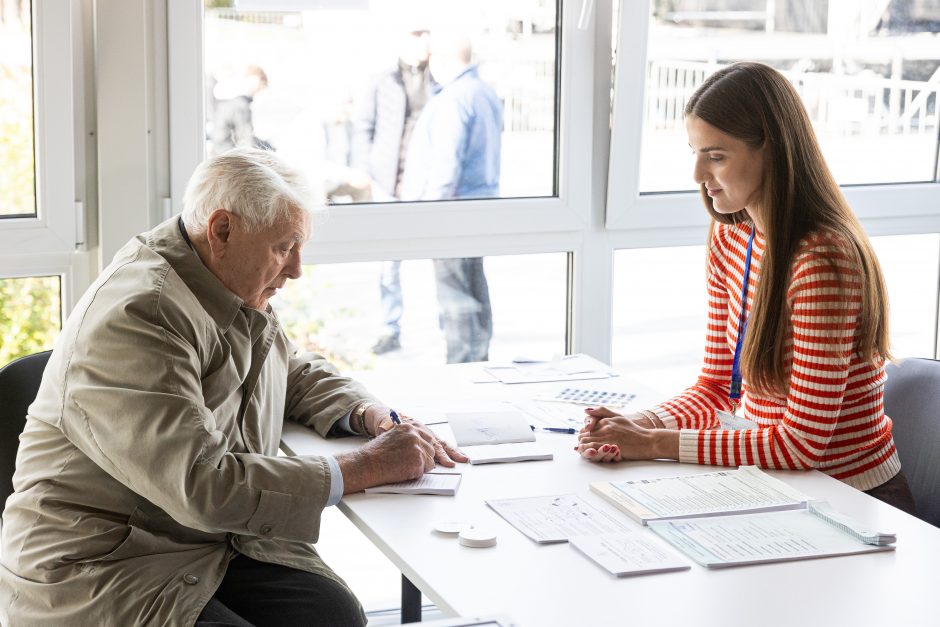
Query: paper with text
{"points": [[438, 483], [555, 518], [567, 368], [716, 542], [628, 553]]}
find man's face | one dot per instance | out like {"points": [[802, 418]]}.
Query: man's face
{"points": [[255, 265]]}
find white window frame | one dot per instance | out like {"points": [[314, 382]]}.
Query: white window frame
{"points": [[52, 229], [52, 242], [571, 222], [678, 218]]}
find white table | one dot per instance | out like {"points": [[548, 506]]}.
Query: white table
{"points": [[541, 585]]}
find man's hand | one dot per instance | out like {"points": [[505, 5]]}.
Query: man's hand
{"points": [[378, 421], [396, 455]]}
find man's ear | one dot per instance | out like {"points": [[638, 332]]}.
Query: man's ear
{"points": [[219, 231]]}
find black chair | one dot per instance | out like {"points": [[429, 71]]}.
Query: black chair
{"points": [[912, 401], [19, 383]]}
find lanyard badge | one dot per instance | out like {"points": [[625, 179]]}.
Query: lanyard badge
{"points": [[736, 378]]}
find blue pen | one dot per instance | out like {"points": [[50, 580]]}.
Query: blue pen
{"points": [[553, 429], [394, 415]]}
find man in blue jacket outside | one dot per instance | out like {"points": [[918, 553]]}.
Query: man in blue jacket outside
{"points": [[455, 153]]}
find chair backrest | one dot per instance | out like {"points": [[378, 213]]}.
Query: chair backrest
{"points": [[912, 401], [19, 383]]}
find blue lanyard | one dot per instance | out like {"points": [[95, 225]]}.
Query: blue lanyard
{"points": [[736, 378]]}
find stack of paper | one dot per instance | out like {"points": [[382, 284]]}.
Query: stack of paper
{"points": [[745, 489], [435, 482]]}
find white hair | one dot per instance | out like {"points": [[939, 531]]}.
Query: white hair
{"points": [[256, 185]]}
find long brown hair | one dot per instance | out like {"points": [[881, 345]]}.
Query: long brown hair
{"points": [[756, 104]]}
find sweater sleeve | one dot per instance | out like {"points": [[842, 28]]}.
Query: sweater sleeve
{"points": [[695, 407], [824, 298]]}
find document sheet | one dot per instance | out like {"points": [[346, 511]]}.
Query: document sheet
{"points": [[439, 483], [567, 368], [746, 489], [555, 518], [722, 541], [629, 553]]}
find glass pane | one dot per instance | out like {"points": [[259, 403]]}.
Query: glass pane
{"points": [[349, 311], [30, 316], [390, 100], [659, 306], [911, 264], [17, 175], [868, 72], [659, 338]]}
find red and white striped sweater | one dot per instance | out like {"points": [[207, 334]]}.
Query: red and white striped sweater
{"points": [[832, 418]]}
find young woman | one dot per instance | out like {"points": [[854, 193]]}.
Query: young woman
{"points": [[797, 311]]}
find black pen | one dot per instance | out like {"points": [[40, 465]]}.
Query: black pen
{"points": [[394, 415], [553, 429]]}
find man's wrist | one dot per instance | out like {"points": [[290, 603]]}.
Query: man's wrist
{"points": [[358, 419]]}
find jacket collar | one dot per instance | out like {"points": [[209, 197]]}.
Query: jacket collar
{"points": [[168, 240]]}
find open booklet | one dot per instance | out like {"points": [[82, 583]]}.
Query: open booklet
{"points": [[744, 490], [742, 516], [738, 540]]}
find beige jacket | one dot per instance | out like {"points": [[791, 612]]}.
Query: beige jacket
{"points": [[150, 455]]}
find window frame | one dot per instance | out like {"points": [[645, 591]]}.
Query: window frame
{"points": [[393, 224], [884, 208], [55, 228]]}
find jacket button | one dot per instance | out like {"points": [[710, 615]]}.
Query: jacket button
{"points": [[265, 530], [191, 579]]}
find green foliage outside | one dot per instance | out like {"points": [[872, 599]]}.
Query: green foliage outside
{"points": [[17, 182], [30, 316], [305, 309]]}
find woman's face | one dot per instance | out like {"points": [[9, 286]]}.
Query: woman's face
{"points": [[731, 171]]}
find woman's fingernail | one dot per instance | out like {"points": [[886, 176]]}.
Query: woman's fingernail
{"points": [[605, 448]]}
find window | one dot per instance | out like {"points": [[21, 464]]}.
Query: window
{"points": [[39, 269], [17, 175], [348, 94], [868, 82], [869, 75], [344, 310], [31, 316], [659, 338]]}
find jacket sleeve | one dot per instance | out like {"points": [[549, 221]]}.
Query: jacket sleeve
{"points": [[317, 395], [133, 403]]}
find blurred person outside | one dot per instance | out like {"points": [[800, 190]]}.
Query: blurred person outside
{"points": [[230, 123], [455, 153], [383, 122]]}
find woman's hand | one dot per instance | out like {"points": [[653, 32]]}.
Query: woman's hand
{"points": [[610, 437]]}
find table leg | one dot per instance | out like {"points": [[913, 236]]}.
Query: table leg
{"points": [[410, 602]]}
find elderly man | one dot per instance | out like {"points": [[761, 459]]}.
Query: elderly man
{"points": [[148, 489]]}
